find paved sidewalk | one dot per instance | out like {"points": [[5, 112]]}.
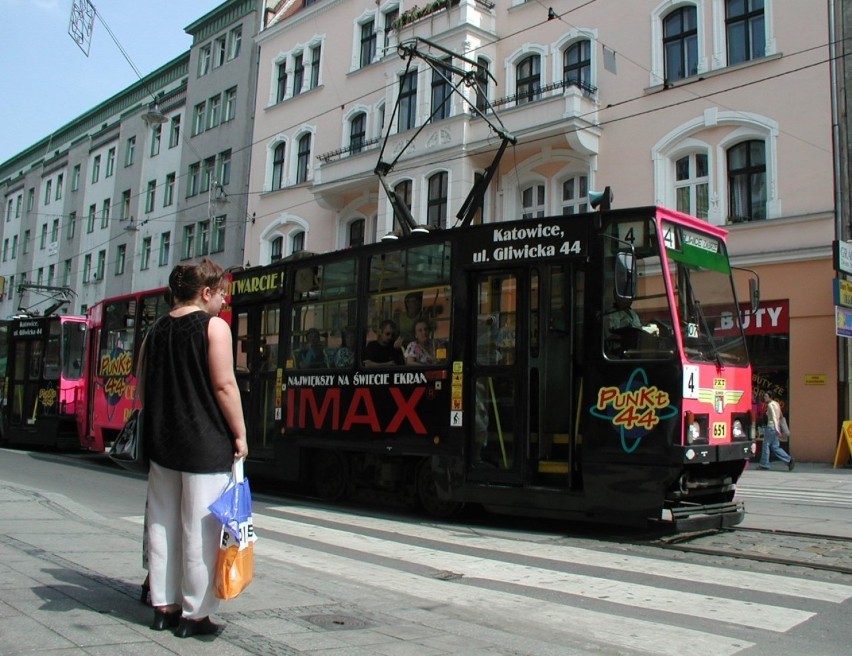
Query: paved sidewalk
{"points": [[67, 586]]}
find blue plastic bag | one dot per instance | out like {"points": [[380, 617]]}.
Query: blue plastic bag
{"points": [[233, 507]]}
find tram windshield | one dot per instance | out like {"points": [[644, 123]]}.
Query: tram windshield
{"points": [[705, 301]]}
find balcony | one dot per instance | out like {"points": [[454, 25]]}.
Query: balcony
{"points": [[441, 15]]}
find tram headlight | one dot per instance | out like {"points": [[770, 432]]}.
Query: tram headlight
{"points": [[737, 430], [693, 433]]}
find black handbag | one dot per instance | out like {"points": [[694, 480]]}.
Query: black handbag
{"points": [[128, 449]]}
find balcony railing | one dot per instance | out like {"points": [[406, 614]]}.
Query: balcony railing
{"points": [[351, 149], [531, 96], [416, 13]]}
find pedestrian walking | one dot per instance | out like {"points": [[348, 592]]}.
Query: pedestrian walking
{"points": [[772, 434]]}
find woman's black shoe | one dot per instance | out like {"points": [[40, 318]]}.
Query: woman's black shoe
{"points": [[143, 595], [188, 628], [164, 620]]}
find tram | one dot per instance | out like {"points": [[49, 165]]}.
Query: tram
{"points": [[590, 366], [44, 380], [117, 326]]}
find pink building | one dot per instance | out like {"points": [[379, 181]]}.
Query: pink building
{"points": [[720, 108]]}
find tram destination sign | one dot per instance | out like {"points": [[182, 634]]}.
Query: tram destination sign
{"points": [[531, 240]]}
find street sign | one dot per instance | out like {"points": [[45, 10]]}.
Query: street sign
{"points": [[842, 292]]}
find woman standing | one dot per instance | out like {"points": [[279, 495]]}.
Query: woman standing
{"points": [[194, 430], [771, 433], [422, 349]]}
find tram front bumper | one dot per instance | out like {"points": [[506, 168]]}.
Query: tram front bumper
{"points": [[688, 517]]}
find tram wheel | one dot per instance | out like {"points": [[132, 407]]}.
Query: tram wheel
{"points": [[427, 494], [331, 475]]}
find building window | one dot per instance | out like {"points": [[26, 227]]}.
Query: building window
{"points": [[230, 112], [357, 132], [54, 231], [680, 44], [174, 131], [130, 151], [165, 247], [298, 242], [87, 267], [357, 229], [207, 173], [59, 180], [407, 101], [96, 168], [303, 158], [145, 261], [25, 246], [747, 181], [188, 242], [436, 206], [90, 223], [577, 65], [214, 108], [276, 249], [101, 265], [150, 196], [125, 205], [224, 167], [533, 202], [110, 163], [204, 56], [298, 73], [692, 185], [316, 53], [481, 77], [575, 195], [75, 180], [217, 239], [220, 50], [120, 259], [72, 225], [278, 166], [169, 190], [48, 190], [368, 43], [156, 135], [192, 180], [66, 273], [442, 90], [203, 247], [199, 120], [403, 191], [235, 42], [105, 213], [745, 30], [528, 76], [281, 89], [390, 16], [43, 240]]}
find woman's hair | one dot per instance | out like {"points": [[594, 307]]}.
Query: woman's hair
{"points": [[187, 280], [425, 322], [770, 394]]}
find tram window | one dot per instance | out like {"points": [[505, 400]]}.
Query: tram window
{"points": [[406, 308], [495, 314], [417, 266], [73, 346], [241, 358], [35, 361], [317, 333]]}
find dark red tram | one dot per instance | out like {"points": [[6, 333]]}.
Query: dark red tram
{"points": [[589, 366]]}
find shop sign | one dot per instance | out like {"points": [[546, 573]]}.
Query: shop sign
{"points": [[842, 292], [842, 321], [842, 251], [816, 379], [771, 317]]}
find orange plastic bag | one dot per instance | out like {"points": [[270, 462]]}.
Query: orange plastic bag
{"points": [[234, 570]]}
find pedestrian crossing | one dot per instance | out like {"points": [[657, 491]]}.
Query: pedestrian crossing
{"points": [[804, 496], [568, 593], [538, 587]]}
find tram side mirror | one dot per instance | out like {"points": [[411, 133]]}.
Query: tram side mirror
{"points": [[625, 276], [754, 294]]}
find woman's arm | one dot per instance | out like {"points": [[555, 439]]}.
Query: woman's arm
{"points": [[225, 390]]}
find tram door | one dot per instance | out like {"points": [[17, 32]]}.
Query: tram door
{"points": [[256, 361], [525, 384]]}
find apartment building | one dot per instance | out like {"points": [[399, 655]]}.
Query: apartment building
{"points": [[110, 202], [721, 108]]}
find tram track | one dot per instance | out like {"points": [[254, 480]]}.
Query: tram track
{"points": [[829, 553]]}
